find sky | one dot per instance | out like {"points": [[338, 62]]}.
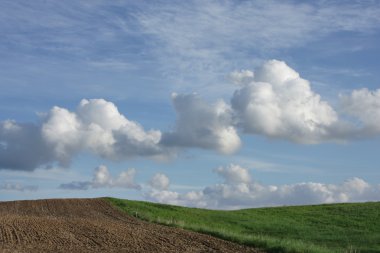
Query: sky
{"points": [[211, 104]]}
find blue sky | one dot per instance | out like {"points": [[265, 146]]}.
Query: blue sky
{"points": [[217, 104]]}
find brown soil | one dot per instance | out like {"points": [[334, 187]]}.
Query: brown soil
{"points": [[93, 225]]}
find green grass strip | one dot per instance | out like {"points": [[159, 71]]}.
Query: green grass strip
{"points": [[347, 228]]}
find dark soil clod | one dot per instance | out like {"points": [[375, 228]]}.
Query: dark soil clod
{"points": [[93, 225]]}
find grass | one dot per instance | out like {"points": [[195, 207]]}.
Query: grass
{"points": [[347, 228]]}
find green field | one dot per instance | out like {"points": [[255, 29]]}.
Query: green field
{"points": [[319, 228]]}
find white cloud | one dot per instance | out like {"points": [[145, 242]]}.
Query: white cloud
{"points": [[242, 77], [278, 103], [103, 179], [233, 174], [160, 182], [202, 125], [364, 106], [165, 196], [239, 191], [99, 127], [126, 179], [62, 131], [273, 101], [96, 126]]}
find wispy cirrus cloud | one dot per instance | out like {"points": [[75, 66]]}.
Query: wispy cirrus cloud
{"points": [[70, 27], [202, 39], [184, 27], [192, 44]]}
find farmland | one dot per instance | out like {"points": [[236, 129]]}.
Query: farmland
{"points": [[116, 225], [93, 225]]}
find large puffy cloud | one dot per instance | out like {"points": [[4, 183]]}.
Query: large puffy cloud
{"points": [[238, 190], [202, 125], [273, 101], [62, 132], [99, 127], [278, 103], [103, 179], [96, 126]]}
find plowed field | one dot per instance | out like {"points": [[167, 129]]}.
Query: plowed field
{"points": [[93, 225]]}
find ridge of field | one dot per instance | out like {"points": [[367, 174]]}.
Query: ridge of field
{"points": [[350, 227], [94, 225]]}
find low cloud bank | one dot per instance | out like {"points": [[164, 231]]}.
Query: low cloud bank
{"points": [[238, 190]]}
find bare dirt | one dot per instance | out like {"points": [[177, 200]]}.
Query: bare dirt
{"points": [[93, 225]]}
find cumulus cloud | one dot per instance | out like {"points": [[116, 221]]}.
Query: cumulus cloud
{"points": [[233, 174], [96, 126], [242, 77], [278, 103], [363, 106], [8, 186], [274, 101], [103, 179], [238, 190], [99, 127], [202, 125], [62, 132], [159, 181]]}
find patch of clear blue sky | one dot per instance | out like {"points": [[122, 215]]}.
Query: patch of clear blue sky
{"points": [[56, 53]]}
